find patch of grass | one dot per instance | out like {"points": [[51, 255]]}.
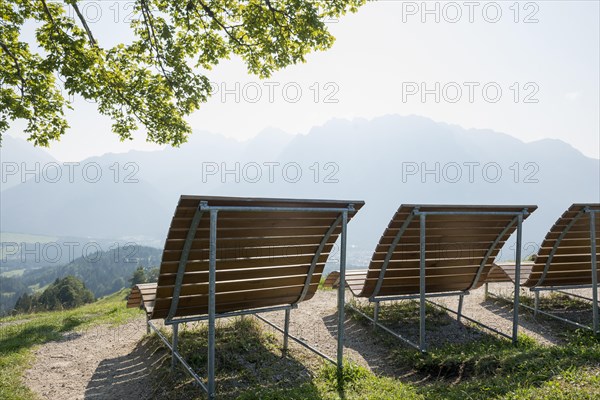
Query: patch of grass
{"points": [[558, 302], [404, 312], [21, 333], [322, 284], [249, 365], [492, 367]]}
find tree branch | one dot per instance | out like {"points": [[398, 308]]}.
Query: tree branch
{"points": [[225, 28], [154, 41], [47, 11], [17, 67], [84, 23]]}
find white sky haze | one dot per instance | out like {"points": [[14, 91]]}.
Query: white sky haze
{"points": [[531, 71]]}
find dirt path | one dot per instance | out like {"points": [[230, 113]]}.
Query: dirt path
{"points": [[102, 362]]}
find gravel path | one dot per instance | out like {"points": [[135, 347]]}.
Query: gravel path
{"points": [[102, 362], [114, 363]]}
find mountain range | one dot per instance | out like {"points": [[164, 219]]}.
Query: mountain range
{"points": [[385, 161]]}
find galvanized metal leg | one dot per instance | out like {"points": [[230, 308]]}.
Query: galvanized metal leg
{"points": [[286, 331], [376, 313], [174, 339], [536, 303], [341, 298], [422, 303], [461, 299], [517, 294], [595, 324], [148, 330], [212, 275]]}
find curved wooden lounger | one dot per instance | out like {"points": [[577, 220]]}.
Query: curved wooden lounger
{"points": [[505, 272], [459, 243], [353, 275], [268, 254], [460, 249], [567, 258], [142, 296]]}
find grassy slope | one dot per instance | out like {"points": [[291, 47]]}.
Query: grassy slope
{"points": [[19, 335]]}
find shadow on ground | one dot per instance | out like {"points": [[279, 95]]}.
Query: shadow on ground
{"points": [[403, 318], [128, 376], [248, 361], [463, 362], [549, 328]]}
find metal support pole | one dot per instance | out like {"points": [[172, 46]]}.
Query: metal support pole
{"points": [[148, 330], [594, 271], [212, 277], [515, 331], [461, 299], [286, 331], [486, 291], [536, 303], [376, 313], [341, 297], [174, 340], [422, 303]]}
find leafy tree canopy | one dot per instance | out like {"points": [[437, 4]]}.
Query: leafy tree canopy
{"points": [[160, 76], [68, 292], [139, 276]]}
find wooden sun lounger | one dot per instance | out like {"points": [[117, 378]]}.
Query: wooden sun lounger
{"points": [[567, 259], [352, 276], [436, 250], [232, 256]]}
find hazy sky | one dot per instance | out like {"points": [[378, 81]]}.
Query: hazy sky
{"points": [[530, 70]]}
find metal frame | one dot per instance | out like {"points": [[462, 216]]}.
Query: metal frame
{"points": [[423, 295], [211, 316], [594, 285]]}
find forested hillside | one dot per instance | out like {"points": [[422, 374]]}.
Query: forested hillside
{"points": [[103, 273]]}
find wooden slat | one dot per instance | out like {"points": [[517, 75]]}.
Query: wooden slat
{"points": [[255, 232], [194, 201], [223, 307], [444, 240], [230, 298], [169, 267], [447, 231], [238, 223], [566, 259], [188, 212], [247, 252], [436, 247], [177, 244], [249, 273], [429, 288], [238, 286], [564, 250], [414, 265]]}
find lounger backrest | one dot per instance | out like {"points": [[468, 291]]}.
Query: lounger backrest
{"points": [[263, 258], [564, 258], [460, 248]]}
